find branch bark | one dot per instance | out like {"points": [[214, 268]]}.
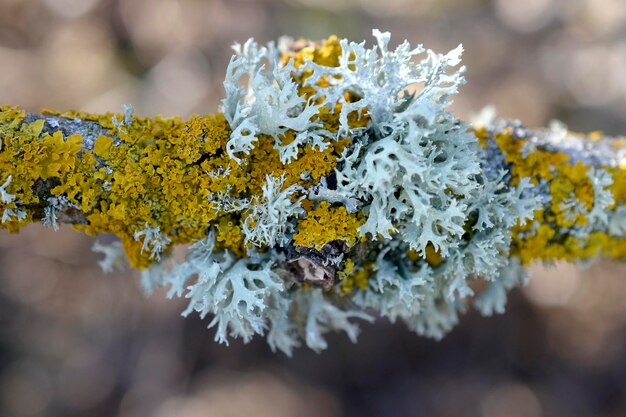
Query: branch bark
{"points": [[92, 179]]}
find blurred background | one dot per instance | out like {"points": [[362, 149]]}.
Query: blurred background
{"points": [[76, 342]]}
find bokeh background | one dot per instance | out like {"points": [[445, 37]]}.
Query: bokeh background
{"points": [[76, 342]]}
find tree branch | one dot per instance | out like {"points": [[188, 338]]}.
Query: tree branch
{"points": [[323, 185]]}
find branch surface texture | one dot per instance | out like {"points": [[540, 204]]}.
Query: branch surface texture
{"points": [[333, 185]]}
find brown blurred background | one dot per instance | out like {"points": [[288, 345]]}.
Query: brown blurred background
{"points": [[76, 342]]}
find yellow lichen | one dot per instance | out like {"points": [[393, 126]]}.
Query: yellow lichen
{"points": [[229, 235], [432, 256], [162, 173], [353, 277], [169, 173], [327, 224], [548, 236]]}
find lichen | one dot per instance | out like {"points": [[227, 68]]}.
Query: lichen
{"points": [[326, 224], [566, 227], [337, 182]]}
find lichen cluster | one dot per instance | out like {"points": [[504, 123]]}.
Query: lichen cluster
{"points": [[333, 183], [582, 215]]}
